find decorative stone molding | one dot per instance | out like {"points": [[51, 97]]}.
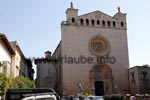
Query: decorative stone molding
{"points": [[102, 72], [99, 45]]}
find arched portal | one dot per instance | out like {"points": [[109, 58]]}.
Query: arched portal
{"points": [[99, 88], [102, 79]]}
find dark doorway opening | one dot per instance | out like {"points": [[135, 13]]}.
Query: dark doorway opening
{"points": [[99, 88]]}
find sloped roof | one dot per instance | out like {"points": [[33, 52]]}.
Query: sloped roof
{"points": [[6, 42], [97, 13], [15, 46]]}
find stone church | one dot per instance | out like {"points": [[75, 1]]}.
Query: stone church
{"points": [[92, 56], [97, 37]]}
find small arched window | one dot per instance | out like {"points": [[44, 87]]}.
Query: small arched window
{"points": [[122, 24], [87, 22], [73, 20], [92, 22], [98, 22], [103, 23], [114, 24], [81, 21], [108, 23]]}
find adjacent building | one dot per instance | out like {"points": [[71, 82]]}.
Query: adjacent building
{"points": [[13, 60], [18, 60], [139, 77], [6, 55], [46, 72], [30, 71]]}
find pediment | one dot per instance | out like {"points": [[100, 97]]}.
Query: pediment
{"points": [[96, 15]]}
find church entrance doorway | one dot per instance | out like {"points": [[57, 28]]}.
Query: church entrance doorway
{"points": [[99, 88]]}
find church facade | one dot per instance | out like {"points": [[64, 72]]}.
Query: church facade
{"points": [[93, 53]]}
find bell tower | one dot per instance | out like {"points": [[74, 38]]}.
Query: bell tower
{"points": [[72, 14], [122, 18]]}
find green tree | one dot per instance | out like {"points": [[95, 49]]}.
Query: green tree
{"points": [[18, 82], [4, 84], [22, 82]]}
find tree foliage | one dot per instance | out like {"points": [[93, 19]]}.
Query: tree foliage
{"points": [[22, 82], [18, 82], [4, 83]]}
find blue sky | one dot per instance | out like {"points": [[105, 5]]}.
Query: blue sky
{"points": [[35, 24]]}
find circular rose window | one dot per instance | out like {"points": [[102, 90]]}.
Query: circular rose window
{"points": [[99, 45]]}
